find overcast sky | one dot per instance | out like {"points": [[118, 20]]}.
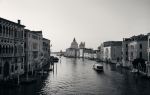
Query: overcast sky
{"points": [[92, 21]]}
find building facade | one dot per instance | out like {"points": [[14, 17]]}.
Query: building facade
{"points": [[46, 51], [112, 51], [73, 51], [88, 53], [125, 57], [100, 52], [33, 50], [148, 51], [81, 49], [11, 49], [133, 48]]}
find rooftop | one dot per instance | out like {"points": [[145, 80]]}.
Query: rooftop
{"points": [[112, 43], [18, 23], [140, 37]]}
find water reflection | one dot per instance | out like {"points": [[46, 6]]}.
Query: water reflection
{"points": [[76, 76]]}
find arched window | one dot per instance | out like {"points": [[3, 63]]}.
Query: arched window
{"points": [[15, 49], [4, 30], [9, 49], [21, 49], [0, 49], [0, 29], [6, 49], [12, 49], [15, 32]]}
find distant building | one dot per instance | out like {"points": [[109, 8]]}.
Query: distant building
{"points": [[81, 49], [100, 52], [11, 49], [112, 51], [125, 56], [73, 51], [87, 53], [133, 48]]}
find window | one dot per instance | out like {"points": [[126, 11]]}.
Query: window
{"points": [[0, 49], [12, 68], [126, 53], [0, 29], [140, 54], [16, 60], [35, 45], [3, 30], [35, 54], [15, 33], [149, 56], [16, 49], [140, 46], [131, 55], [149, 42], [6, 31], [126, 58], [0, 69], [25, 34], [21, 66], [16, 67], [126, 45], [21, 59], [22, 34]]}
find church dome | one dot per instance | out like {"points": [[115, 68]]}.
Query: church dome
{"points": [[82, 45], [74, 44]]}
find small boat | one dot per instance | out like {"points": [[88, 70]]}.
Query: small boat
{"points": [[55, 59], [134, 70], [98, 67]]}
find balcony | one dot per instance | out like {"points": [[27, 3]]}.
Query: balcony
{"points": [[11, 55], [18, 54], [6, 55]]}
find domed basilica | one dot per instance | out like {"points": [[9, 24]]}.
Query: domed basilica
{"points": [[75, 50]]}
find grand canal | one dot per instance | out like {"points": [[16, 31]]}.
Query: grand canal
{"points": [[76, 77]]}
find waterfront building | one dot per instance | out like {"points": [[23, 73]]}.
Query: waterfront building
{"points": [[112, 51], [148, 50], [11, 49], [133, 48], [88, 53], [94, 55], [125, 57], [46, 50], [100, 52], [33, 50]]}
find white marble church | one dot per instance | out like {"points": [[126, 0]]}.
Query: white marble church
{"points": [[75, 50]]}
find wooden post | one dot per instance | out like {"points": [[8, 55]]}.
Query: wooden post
{"points": [[18, 79]]}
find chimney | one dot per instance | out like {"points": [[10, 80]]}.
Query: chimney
{"points": [[19, 22]]}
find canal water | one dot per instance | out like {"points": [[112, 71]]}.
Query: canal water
{"points": [[76, 77]]}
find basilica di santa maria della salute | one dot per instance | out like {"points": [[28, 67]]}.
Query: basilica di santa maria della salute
{"points": [[75, 50]]}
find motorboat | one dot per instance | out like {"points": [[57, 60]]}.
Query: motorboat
{"points": [[134, 70], [54, 59], [98, 67]]}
